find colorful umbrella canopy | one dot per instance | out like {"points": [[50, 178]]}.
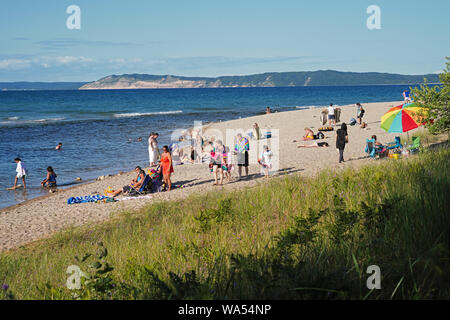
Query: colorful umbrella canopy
{"points": [[402, 118]]}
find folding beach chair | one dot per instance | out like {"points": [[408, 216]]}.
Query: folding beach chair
{"points": [[372, 149], [395, 145], [415, 146], [144, 189]]}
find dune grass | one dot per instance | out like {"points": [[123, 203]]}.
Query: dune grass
{"points": [[291, 238]]}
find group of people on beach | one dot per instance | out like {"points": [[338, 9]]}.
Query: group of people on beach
{"points": [[21, 174], [218, 154], [341, 133]]}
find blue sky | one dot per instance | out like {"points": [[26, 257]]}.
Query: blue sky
{"points": [[212, 38]]}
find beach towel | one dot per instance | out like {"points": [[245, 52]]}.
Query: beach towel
{"points": [[242, 146], [85, 199]]}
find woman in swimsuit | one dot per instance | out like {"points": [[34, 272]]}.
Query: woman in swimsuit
{"points": [[50, 180], [309, 135], [166, 167]]}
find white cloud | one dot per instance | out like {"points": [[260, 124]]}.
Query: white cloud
{"points": [[71, 59], [14, 64]]}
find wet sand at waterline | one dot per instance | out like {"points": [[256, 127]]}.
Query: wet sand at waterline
{"points": [[40, 217]]}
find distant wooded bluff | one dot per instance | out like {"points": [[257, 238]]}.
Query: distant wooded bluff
{"points": [[270, 79]]}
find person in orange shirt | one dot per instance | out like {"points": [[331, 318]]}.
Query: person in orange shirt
{"points": [[166, 167]]}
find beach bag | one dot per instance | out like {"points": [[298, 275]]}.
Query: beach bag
{"points": [[352, 121], [319, 135]]}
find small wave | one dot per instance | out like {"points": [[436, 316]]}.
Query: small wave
{"points": [[144, 114], [45, 120], [17, 122], [13, 118]]}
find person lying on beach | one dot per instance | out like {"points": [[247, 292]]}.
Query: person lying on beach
{"points": [[59, 146], [50, 180], [134, 184], [314, 145]]}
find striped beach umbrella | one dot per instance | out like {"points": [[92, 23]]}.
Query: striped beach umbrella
{"points": [[402, 118]]}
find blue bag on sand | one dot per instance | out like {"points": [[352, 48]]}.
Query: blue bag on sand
{"points": [[352, 121]]}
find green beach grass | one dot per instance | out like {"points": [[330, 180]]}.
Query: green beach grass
{"points": [[293, 237]]}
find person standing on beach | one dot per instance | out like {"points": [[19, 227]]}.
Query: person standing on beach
{"points": [[216, 161], [359, 112], [166, 167], [241, 149], [406, 96], [153, 149], [21, 173], [331, 117], [266, 161], [341, 140]]}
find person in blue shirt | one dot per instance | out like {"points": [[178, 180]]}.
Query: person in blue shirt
{"points": [[406, 96]]}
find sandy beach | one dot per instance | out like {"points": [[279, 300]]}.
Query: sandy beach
{"points": [[40, 217]]}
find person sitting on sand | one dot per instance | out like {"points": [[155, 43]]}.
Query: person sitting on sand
{"points": [[309, 135], [50, 180], [59, 146], [314, 145], [134, 184], [21, 173], [381, 149]]}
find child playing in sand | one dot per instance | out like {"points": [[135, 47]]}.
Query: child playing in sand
{"points": [[21, 173], [266, 161], [50, 180]]}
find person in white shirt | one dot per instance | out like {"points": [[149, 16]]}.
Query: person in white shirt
{"points": [[331, 116], [266, 161], [21, 173], [153, 151]]}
